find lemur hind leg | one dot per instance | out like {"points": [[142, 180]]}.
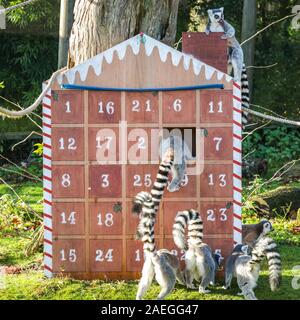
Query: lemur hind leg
{"points": [[146, 279], [178, 173], [165, 276]]}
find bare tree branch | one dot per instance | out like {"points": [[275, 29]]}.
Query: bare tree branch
{"points": [[24, 140]]}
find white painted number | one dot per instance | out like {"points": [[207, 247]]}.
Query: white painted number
{"points": [[107, 142], [177, 105], [108, 222], [211, 216], [71, 144], [109, 108], [142, 143], [71, 219], [218, 141], [222, 180], [66, 180], [68, 107], [105, 180], [212, 107], [138, 256], [136, 106], [138, 181], [72, 257], [101, 257]]}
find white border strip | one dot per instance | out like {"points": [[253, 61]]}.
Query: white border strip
{"points": [[237, 164], [47, 186]]}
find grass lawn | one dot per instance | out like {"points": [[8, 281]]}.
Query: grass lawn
{"points": [[31, 284]]}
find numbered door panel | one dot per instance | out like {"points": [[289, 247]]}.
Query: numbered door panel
{"points": [[68, 218], [132, 221], [68, 256], [217, 217], [170, 245], [170, 210], [105, 181], [104, 107], [220, 245], [105, 218], [179, 107], [104, 144], [140, 178], [143, 144], [68, 181], [68, 144], [135, 256], [218, 144], [67, 107], [216, 106], [142, 107], [106, 255], [188, 187], [216, 181]]}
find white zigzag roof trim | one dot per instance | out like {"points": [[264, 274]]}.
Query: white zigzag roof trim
{"points": [[135, 43]]}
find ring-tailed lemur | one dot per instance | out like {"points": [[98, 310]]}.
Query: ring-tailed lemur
{"points": [[235, 53], [251, 233], [157, 190], [199, 260], [182, 153], [162, 264], [246, 267]]}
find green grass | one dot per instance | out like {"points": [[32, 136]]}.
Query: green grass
{"points": [[33, 285]]}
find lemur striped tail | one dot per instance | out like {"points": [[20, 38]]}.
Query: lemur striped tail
{"points": [[266, 247], [245, 95], [193, 221], [159, 185], [146, 226]]}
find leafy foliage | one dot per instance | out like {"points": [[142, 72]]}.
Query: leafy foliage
{"points": [[15, 217], [276, 144]]}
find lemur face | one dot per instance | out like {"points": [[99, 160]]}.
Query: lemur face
{"points": [[245, 249], [267, 227], [216, 15]]}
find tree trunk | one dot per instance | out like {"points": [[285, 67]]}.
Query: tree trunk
{"points": [[248, 29], [101, 24]]}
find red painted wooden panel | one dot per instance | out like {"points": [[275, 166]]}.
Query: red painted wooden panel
{"points": [[104, 220], [68, 218], [67, 107], [170, 210], [68, 255], [188, 190], [179, 107], [143, 144], [216, 181], [105, 181], [217, 217], [140, 178], [223, 244], [135, 256], [211, 109], [67, 144], [68, 181], [142, 107], [104, 107], [104, 144], [106, 255], [132, 221], [170, 245], [218, 144]]}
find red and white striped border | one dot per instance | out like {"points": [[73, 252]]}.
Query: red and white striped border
{"points": [[237, 164], [47, 185]]}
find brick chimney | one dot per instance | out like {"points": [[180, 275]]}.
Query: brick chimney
{"points": [[210, 49]]}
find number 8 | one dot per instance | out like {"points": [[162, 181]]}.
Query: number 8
{"points": [[66, 180]]}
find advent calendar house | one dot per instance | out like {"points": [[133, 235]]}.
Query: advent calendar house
{"points": [[102, 123]]}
